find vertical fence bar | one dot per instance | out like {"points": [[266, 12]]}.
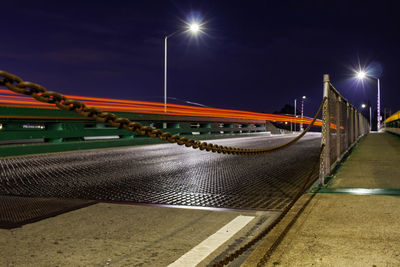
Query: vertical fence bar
{"points": [[347, 125], [338, 130], [357, 125], [325, 132], [351, 124]]}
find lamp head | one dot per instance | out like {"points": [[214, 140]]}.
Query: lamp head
{"points": [[363, 106], [361, 75], [304, 97], [194, 27]]}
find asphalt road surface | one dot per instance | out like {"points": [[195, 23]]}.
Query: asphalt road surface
{"points": [[169, 174]]}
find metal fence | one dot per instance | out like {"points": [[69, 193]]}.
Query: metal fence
{"points": [[343, 125]]}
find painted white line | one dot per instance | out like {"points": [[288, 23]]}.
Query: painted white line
{"points": [[205, 248]]}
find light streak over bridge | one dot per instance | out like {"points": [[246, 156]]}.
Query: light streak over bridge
{"points": [[11, 99]]}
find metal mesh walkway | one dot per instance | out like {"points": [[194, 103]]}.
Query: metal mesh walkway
{"points": [[16, 211], [167, 174]]}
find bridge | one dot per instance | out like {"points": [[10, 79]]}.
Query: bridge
{"points": [[120, 192]]}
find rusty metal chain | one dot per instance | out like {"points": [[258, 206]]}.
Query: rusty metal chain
{"points": [[17, 85], [263, 233]]}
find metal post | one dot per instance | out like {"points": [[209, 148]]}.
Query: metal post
{"points": [[356, 125], [295, 103], [338, 134], [325, 163], [347, 126], [351, 126], [353, 117], [370, 117], [302, 111], [379, 105], [165, 73], [291, 125]]}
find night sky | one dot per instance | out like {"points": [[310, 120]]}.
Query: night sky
{"points": [[252, 55]]}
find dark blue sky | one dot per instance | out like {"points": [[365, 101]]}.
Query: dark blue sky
{"points": [[253, 55]]}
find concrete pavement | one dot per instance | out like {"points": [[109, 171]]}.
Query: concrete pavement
{"points": [[350, 223], [108, 234]]}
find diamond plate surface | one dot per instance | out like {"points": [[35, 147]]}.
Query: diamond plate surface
{"points": [[169, 174], [16, 211]]}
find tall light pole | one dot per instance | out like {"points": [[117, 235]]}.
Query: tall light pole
{"points": [[295, 103], [194, 28], [370, 115], [361, 75], [302, 112]]}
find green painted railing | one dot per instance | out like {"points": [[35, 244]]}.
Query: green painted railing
{"points": [[29, 131], [392, 124]]}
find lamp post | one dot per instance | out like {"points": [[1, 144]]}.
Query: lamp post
{"points": [[194, 28], [361, 75], [302, 112], [370, 115], [295, 103]]}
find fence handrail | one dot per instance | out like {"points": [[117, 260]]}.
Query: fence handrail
{"points": [[350, 126]]}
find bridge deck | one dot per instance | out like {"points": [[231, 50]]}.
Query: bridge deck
{"points": [[355, 221], [127, 235], [169, 174]]}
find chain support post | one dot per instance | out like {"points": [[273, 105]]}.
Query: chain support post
{"points": [[357, 125], [325, 134], [342, 126], [347, 130], [338, 128]]}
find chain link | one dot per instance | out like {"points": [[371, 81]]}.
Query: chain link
{"points": [[17, 85]]}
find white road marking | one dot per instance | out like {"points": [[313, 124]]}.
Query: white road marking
{"points": [[205, 248]]}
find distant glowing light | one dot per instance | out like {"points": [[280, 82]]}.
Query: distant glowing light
{"points": [[361, 75], [304, 97], [363, 106], [194, 27]]}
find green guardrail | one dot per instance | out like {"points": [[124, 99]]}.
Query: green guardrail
{"points": [[392, 124], [26, 131]]}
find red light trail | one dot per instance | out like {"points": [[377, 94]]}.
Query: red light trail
{"points": [[11, 99]]}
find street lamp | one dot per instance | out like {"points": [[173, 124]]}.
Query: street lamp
{"points": [[362, 75], [194, 28], [302, 112], [295, 103], [370, 115]]}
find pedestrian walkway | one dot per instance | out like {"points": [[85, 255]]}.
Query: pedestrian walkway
{"points": [[352, 222]]}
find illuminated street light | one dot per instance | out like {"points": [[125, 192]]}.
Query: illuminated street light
{"points": [[302, 112], [194, 28], [361, 75], [370, 115], [295, 116], [302, 109]]}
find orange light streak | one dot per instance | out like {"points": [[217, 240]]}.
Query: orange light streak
{"points": [[15, 100]]}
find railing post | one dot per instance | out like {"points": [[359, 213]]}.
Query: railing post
{"points": [[338, 131], [357, 125], [351, 125], [325, 132], [354, 124], [347, 130]]}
